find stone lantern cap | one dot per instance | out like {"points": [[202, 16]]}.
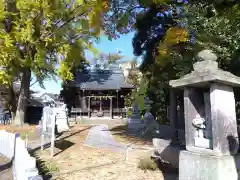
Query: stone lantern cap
{"points": [[205, 72], [147, 100]]}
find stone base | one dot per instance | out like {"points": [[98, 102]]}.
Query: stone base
{"points": [[135, 126], [135, 122], [196, 166]]}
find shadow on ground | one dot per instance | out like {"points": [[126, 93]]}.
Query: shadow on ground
{"points": [[169, 172], [60, 139], [168, 152], [47, 169], [5, 166], [62, 145], [123, 132], [42, 167], [168, 160], [6, 172]]}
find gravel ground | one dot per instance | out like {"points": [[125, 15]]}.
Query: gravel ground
{"points": [[87, 163], [5, 169]]}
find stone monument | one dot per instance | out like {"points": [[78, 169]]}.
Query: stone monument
{"points": [[149, 121], [48, 125], [148, 115], [135, 122], [210, 121], [61, 118]]}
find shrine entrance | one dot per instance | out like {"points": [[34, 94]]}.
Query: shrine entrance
{"points": [[100, 106]]}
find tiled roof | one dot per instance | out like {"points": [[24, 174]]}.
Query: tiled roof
{"points": [[51, 95], [111, 79]]}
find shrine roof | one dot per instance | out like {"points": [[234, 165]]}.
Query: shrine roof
{"points": [[97, 79]]}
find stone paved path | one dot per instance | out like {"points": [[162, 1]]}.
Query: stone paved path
{"points": [[100, 137]]}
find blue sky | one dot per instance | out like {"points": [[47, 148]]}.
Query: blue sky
{"points": [[124, 44]]}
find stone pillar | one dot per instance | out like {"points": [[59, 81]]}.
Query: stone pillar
{"points": [[83, 101], [207, 102], [223, 115], [100, 105], [173, 114], [180, 119]]}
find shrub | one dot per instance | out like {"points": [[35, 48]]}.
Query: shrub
{"points": [[129, 112], [147, 163]]}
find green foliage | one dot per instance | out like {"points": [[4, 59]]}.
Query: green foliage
{"points": [[23, 135], [43, 35], [168, 53], [139, 92], [45, 38], [140, 95], [217, 30]]}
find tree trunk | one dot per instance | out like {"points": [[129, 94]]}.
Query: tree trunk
{"points": [[23, 98], [12, 101]]}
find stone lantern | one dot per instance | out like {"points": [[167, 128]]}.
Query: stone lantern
{"points": [[134, 121], [148, 117], [147, 104], [210, 121]]}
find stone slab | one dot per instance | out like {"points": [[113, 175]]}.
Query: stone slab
{"points": [[223, 116], [202, 143], [100, 137], [196, 166], [168, 152]]}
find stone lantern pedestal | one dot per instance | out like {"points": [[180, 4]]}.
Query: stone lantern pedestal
{"points": [[210, 121], [135, 122]]}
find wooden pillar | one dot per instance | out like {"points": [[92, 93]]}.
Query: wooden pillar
{"points": [[111, 109], [173, 114], [118, 110], [117, 99], [81, 99], [89, 106], [100, 105]]}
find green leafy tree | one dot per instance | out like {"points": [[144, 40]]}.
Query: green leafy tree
{"points": [[45, 38], [169, 42]]}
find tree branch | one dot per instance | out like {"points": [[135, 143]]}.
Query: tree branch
{"points": [[33, 83], [68, 21]]}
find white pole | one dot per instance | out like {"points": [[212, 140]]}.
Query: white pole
{"points": [[53, 135], [42, 133], [26, 139]]}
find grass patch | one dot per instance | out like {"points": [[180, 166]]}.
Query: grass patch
{"points": [[147, 163], [23, 135], [153, 164], [46, 169], [50, 167]]}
